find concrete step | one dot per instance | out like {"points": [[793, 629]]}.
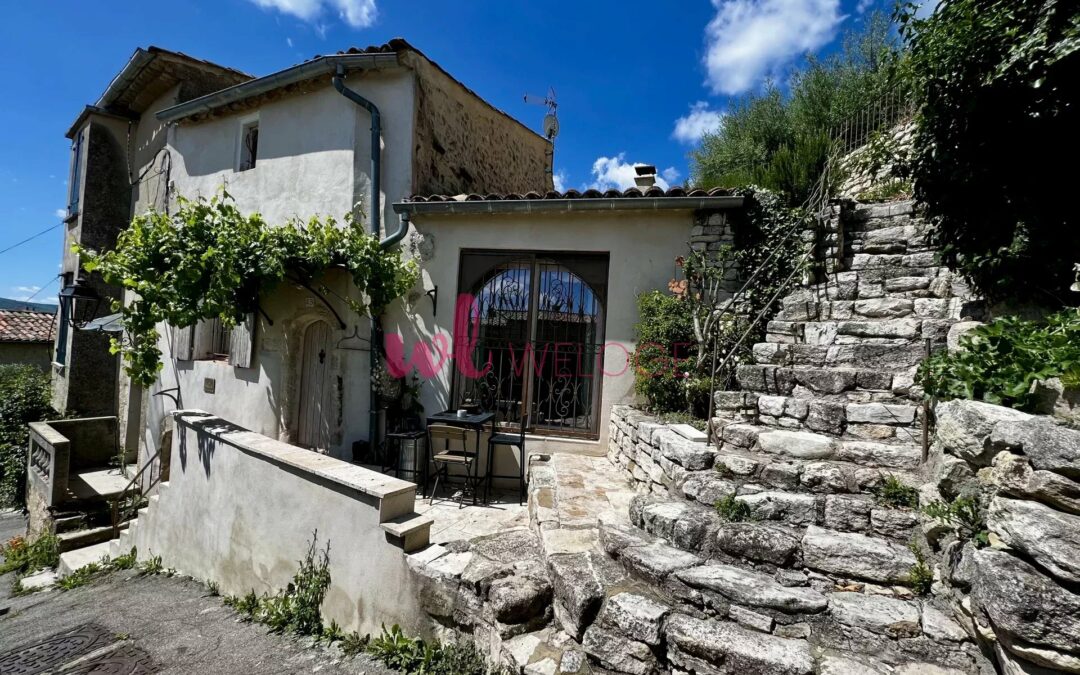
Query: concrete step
{"points": [[411, 531], [77, 539], [76, 559]]}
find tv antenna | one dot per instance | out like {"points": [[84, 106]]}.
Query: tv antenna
{"points": [[551, 126], [551, 119]]}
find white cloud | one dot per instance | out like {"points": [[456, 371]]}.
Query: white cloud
{"points": [[926, 8], [614, 172], [24, 293], [691, 127], [749, 40], [560, 179], [863, 5], [288, 41], [671, 175], [356, 13], [60, 213]]}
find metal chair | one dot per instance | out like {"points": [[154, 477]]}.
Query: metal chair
{"points": [[512, 440], [446, 456]]}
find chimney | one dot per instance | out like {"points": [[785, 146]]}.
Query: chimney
{"points": [[646, 176]]}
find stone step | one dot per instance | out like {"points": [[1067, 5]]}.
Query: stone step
{"points": [[806, 445], [411, 531], [76, 559], [77, 539], [871, 309], [775, 519], [860, 385], [877, 357], [886, 416], [744, 472]]}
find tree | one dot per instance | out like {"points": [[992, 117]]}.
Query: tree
{"points": [[781, 141], [999, 108]]}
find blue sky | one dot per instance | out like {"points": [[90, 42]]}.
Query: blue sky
{"points": [[635, 81]]}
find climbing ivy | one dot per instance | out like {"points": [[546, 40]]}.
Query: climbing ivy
{"points": [[208, 260]]}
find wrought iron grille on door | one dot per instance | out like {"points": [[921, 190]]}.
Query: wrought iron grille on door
{"points": [[539, 323]]}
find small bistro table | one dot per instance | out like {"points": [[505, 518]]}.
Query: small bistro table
{"points": [[473, 421]]}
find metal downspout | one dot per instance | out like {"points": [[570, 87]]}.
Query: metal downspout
{"points": [[376, 229]]}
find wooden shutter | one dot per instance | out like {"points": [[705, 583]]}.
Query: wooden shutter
{"points": [[241, 342], [183, 343]]}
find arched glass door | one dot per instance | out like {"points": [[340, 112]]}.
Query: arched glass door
{"points": [[540, 325]]}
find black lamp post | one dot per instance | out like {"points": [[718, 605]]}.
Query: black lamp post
{"points": [[79, 302]]}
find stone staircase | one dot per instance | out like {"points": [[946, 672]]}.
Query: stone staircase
{"points": [[632, 568]]}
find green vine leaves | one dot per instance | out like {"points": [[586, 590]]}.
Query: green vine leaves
{"points": [[209, 260]]}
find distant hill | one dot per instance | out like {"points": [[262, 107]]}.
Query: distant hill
{"points": [[8, 303]]}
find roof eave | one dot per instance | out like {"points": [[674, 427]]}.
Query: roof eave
{"points": [[323, 65], [94, 110], [526, 206]]}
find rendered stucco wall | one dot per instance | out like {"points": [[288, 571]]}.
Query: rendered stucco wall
{"points": [[240, 510], [30, 353], [642, 248], [313, 156], [465, 145]]}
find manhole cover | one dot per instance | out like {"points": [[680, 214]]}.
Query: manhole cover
{"points": [[54, 651], [94, 649], [124, 660]]}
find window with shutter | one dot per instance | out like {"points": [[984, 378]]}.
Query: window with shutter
{"points": [[183, 343], [241, 342]]}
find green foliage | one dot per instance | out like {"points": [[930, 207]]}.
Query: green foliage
{"points": [[25, 557], [999, 362], [880, 152], [665, 334], [354, 643], [780, 141], [894, 493], [999, 83], [966, 513], [297, 609], [81, 576], [413, 655], [152, 566], [733, 510], [887, 191], [208, 260], [125, 561], [676, 331], [25, 397], [920, 576], [683, 418]]}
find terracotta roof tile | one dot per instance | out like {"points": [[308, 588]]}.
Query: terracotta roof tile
{"points": [[630, 193], [21, 326]]}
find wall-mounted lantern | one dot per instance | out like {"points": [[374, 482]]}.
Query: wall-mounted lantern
{"points": [[79, 302], [1076, 284]]}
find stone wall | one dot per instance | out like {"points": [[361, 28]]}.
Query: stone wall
{"points": [[855, 180], [654, 455], [1017, 589], [463, 144]]}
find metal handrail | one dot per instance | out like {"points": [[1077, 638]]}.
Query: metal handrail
{"points": [[119, 516], [814, 208]]}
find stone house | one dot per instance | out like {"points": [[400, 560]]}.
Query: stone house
{"points": [[467, 190], [26, 337], [119, 167]]}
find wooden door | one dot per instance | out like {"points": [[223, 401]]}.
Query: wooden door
{"points": [[316, 414]]}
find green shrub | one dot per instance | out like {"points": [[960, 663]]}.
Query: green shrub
{"points": [[297, 609], [780, 141], [665, 335], [966, 513], [1003, 213], [25, 397], [413, 655], [887, 191], [892, 492], [920, 577], [25, 557], [999, 362], [733, 510]]}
